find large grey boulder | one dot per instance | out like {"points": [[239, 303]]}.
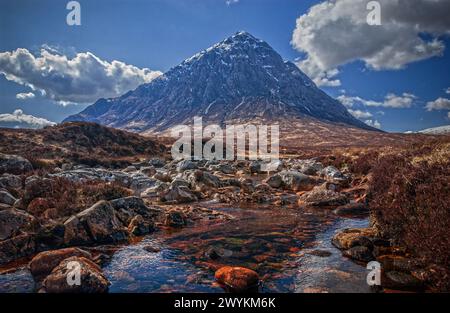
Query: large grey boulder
{"points": [[98, 224], [6, 197], [14, 164]]}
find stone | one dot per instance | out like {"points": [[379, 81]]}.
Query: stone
{"points": [[349, 237], [175, 219], [98, 224], [130, 169], [309, 167], [127, 208], [400, 281], [17, 247], [180, 194], [397, 263], [14, 164], [275, 181], [14, 222], [352, 209], [6, 198], [185, 165], [320, 196], [148, 170], [296, 181], [320, 253], [43, 263], [139, 226], [237, 279], [359, 253], [91, 277], [332, 173], [155, 162], [156, 191], [10, 181]]}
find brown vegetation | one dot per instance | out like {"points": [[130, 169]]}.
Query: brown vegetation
{"points": [[84, 143], [410, 201]]}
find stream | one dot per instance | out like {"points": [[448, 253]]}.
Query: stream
{"points": [[290, 249]]}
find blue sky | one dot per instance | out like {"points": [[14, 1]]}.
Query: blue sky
{"points": [[159, 34]]}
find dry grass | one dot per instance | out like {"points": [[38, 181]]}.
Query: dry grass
{"points": [[84, 143]]}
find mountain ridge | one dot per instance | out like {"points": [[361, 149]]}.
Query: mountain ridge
{"points": [[241, 78]]}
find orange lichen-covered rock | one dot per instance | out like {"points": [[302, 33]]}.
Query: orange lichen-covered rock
{"points": [[237, 279]]}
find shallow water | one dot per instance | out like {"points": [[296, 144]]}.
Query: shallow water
{"points": [[290, 249], [274, 242]]}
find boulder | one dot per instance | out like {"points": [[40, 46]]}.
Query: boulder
{"points": [[237, 279], [14, 222], [359, 253], [148, 170], [332, 173], [400, 281], [275, 181], [224, 168], [10, 181], [6, 198], [180, 194], [139, 226], [352, 237], [129, 207], [14, 164], [397, 263], [185, 165], [320, 196], [156, 191], [309, 167], [43, 263], [175, 218], [92, 279], [155, 162], [296, 181], [98, 224], [17, 247]]}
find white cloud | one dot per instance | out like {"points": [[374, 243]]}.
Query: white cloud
{"points": [[360, 114], [230, 2], [447, 91], [448, 115], [373, 123], [335, 32], [391, 100], [438, 104], [24, 96], [19, 119], [81, 79]]}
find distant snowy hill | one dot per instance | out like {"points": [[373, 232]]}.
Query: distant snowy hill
{"points": [[442, 130]]}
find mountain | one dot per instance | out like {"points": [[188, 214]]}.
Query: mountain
{"points": [[442, 130], [239, 79]]}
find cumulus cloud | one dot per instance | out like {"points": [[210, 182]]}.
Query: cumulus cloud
{"points": [[24, 96], [81, 79], [391, 100], [20, 120], [336, 32], [373, 123], [360, 114], [438, 104]]}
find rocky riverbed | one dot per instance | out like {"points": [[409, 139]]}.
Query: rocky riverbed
{"points": [[164, 226]]}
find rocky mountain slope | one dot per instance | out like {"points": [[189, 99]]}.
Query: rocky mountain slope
{"points": [[240, 79]]}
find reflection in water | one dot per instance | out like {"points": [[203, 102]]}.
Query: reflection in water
{"points": [[290, 250]]}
